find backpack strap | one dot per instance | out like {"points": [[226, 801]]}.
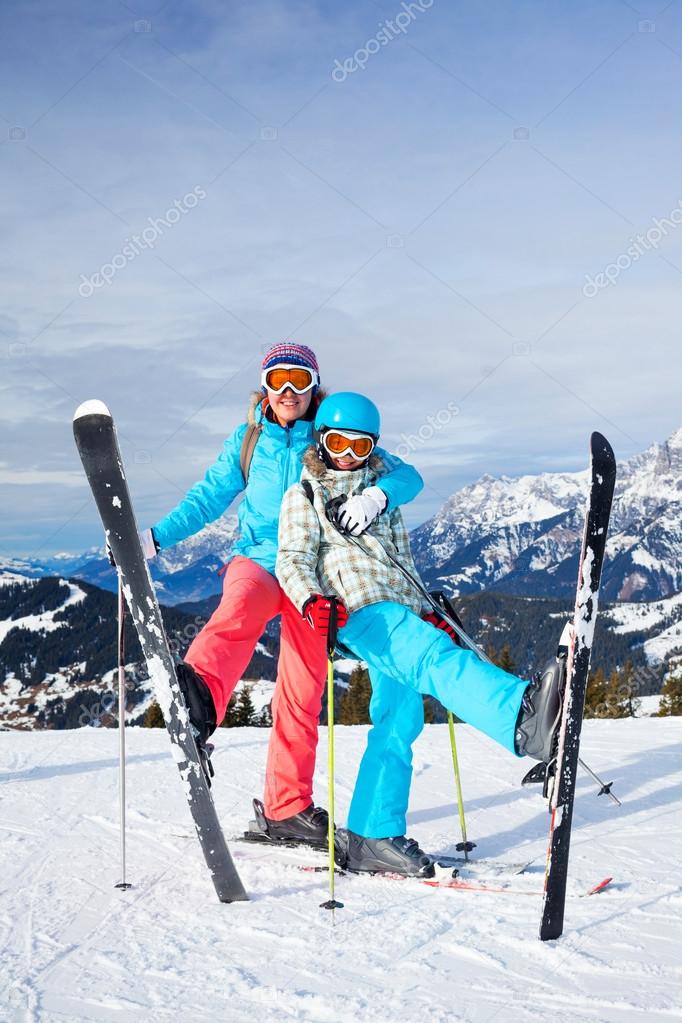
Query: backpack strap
{"points": [[249, 442], [309, 492]]}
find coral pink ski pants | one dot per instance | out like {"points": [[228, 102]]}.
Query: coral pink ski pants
{"points": [[221, 653]]}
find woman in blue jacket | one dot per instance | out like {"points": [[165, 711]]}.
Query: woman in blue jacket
{"points": [[268, 450]]}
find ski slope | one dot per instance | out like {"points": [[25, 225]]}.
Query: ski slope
{"points": [[75, 948]]}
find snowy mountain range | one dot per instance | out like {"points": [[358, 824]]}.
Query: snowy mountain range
{"points": [[523, 535], [185, 573], [518, 536]]}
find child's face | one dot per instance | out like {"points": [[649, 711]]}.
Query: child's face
{"points": [[347, 463]]}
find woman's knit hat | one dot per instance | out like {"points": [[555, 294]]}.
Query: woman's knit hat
{"points": [[292, 354]]}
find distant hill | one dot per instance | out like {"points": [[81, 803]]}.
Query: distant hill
{"points": [[58, 646]]}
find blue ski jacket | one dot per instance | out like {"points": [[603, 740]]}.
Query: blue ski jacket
{"points": [[276, 465]]}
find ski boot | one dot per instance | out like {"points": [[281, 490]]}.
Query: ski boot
{"points": [[399, 855], [309, 827], [539, 722], [537, 728], [201, 711]]}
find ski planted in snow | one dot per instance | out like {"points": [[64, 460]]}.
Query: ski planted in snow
{"points": [[97, 444], [563, 769]]}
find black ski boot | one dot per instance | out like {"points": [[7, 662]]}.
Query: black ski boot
{"points": [[199, 702], [398, 855], [309, 827], [540, 715]]}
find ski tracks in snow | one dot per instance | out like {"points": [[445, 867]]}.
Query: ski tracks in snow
{"points": [[74, 948]]}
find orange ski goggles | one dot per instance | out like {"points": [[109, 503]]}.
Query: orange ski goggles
{"points": [[338, 444], [298, 378]]}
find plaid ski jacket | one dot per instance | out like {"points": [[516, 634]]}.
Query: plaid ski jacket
{"points": [[314, 557]]}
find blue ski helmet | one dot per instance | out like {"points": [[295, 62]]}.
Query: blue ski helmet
{"points": [[348, 411]]}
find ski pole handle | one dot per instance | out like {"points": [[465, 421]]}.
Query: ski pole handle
{"points": [[333, 630]]}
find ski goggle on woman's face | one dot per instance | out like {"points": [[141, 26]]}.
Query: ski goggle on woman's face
{"points": [[280, 378], [338, 444]]}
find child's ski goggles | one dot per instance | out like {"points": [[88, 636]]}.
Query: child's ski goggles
{"points": [[339, 444], [298, 378]]}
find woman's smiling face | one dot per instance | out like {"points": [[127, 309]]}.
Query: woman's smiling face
{"points": [[288, 406]]}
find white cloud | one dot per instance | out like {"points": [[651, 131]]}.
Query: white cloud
{"points": [[39, 477]]}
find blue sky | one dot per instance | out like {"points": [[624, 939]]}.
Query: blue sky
{"points": [[426, 224]]}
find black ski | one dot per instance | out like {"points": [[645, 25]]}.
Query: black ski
{"points": [[95, 435], [562, 771]]}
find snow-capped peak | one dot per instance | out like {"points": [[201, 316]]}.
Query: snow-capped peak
{"points": [[523, 534]]}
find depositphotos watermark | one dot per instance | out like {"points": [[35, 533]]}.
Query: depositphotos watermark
{"points": [[410, 442], [641, 244], [139, 242], [178, 641], [388, 31]]}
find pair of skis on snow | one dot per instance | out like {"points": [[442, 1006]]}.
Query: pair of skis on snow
{"points": [[99, 451]]}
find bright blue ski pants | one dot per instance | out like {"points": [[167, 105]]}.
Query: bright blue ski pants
{"points": [[408, 658]]}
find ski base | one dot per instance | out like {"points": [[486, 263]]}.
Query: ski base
{"points": [[95, 437], [560, 780]]}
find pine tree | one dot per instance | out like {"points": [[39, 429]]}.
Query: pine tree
{"points": [[617, 702], [502, 658], [354, 709], [671, 697], [244, 711], [230, 713], [630, 689], [429, 710], [491, 651], [595, 698], [153, 717], [505, 660], [264, 719]]}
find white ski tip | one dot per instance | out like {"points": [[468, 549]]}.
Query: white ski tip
{"points": [[94, 407]]}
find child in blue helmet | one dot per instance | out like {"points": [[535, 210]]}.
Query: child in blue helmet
{"points": [[382, 622]]}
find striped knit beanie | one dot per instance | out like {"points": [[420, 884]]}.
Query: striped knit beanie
{"points": [[291, 354]]}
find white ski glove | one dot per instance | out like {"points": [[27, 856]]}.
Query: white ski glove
{"points": [[147, 542], [360, 510], [149, 548]]}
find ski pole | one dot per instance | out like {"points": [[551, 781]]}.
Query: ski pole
{"points": [[332, 903], [605, 788], [464, 846], [123, 884]]}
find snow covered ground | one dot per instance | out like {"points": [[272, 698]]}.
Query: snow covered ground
{"points": [[74, 948]]}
